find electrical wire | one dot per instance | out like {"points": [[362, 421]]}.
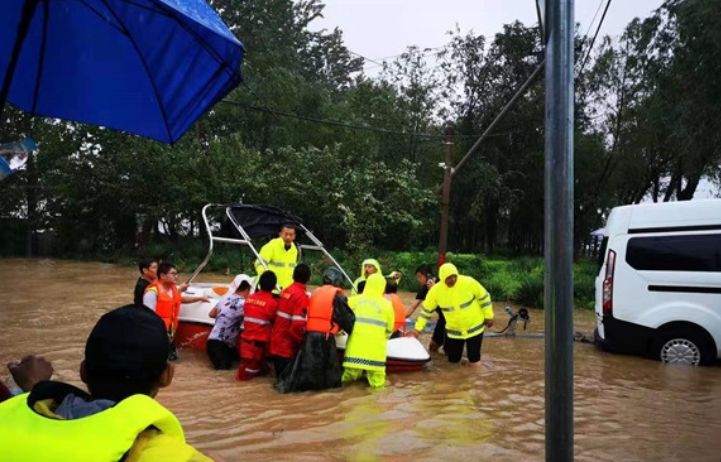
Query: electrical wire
{"points": [[593, 41]]}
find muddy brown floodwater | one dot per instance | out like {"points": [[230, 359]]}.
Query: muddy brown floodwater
{"points": [[626, 408]]}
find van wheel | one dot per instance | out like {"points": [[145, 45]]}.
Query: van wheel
{"points": [[685, 346]]}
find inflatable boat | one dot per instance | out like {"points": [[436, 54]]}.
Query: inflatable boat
{"points": [[244, 223]]}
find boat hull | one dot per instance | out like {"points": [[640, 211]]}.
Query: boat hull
{"points": [[405, 354]]}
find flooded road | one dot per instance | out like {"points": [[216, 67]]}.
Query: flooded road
{"points": [[626, 408]]}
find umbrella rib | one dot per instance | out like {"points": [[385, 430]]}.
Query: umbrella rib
{"points": [[41, 57], [147, 71], [209, 49], [101, 16]]}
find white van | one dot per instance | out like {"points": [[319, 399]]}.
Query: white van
{"points": [[658, 292]]}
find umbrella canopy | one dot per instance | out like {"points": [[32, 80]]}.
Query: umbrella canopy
{"points": [[149, 67]]}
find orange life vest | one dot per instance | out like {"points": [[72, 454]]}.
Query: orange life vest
{"points": [[168, 305], [399, 311], [320, 310]]}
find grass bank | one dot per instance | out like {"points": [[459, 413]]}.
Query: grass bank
{"points": [[513, 279]]}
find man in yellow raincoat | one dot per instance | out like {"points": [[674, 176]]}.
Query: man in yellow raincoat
{"points": [[468, 311], [366, 348], [281, 256]]}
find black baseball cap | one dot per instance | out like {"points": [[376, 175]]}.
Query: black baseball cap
{"points": [[128, 344]]}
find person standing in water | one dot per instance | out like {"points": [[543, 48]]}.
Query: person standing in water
{"points": [[164, 297], [374, 322], [148, 274], [468, 310], [368, 267]]}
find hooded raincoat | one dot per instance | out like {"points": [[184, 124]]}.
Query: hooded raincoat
{"points": [[374, 322], [466, 305]]}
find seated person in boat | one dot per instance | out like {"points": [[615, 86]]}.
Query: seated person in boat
{"points": [[165, 299], [399, 311], [260, 309], [228, 313], [374, 323], [316, 365], [125, 365], [290, 320]]}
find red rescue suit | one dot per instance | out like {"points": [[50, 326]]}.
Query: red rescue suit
{"points": [[260, 309], [289, 324]]}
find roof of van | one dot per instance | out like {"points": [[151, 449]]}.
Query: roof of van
{"points": [[664, 215]]}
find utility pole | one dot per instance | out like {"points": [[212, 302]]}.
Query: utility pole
{"points": [[558, 230], [445, 195]]}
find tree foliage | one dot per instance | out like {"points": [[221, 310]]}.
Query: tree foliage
{"points": [[357, 157]]}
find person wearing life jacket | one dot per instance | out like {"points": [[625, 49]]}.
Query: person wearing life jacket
{"points": [[290, 320], [280, 255], [468, 311], [399, 311], [126, 363], [260, 309], [163, 297], [316, 365], [368, 267], [374, 322]]}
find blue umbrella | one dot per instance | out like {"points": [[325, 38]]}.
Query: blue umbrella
{"points": [[149, 67]]}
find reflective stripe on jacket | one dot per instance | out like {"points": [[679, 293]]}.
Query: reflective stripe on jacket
{"points": [[465, 306], [374, 322], [260, 309], [289, 324], [280, 261]]}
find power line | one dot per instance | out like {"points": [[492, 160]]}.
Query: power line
{"points": [[593, 41], [334, 123]]}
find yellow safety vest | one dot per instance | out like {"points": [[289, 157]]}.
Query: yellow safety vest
{"points": [[374, 320], [26, 436], [280, 261], [465, 306]]}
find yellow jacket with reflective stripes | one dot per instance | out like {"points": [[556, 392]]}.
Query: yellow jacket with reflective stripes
{"points": [[129, 428], [280, 261], [466, 305], [374, 320]]}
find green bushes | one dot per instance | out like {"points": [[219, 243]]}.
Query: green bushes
{"points": [[518, 280]]}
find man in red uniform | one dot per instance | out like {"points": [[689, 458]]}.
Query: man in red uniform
{"points": [[290, 319], [260, 309]]}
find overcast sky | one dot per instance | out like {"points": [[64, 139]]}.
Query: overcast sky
{"points": [[378, 29]]}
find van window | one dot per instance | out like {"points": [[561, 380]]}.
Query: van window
{"points": [[700, 252]]}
